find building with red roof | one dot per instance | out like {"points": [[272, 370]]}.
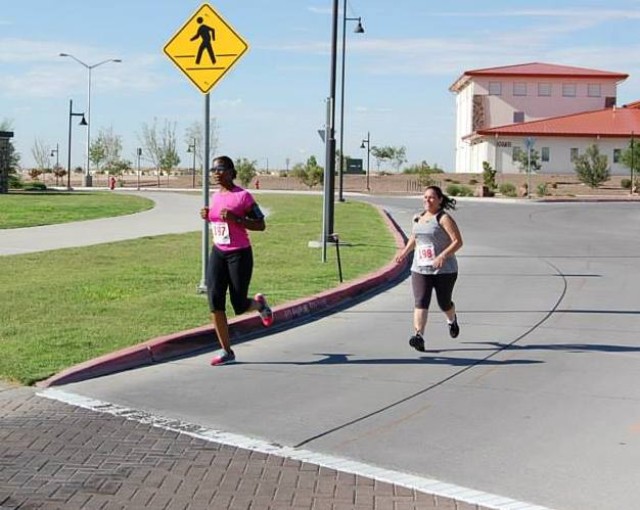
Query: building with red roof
{"points": [[556, 110]]}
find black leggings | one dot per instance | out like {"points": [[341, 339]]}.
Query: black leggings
{"points": [[229, 270], [423, 284]]}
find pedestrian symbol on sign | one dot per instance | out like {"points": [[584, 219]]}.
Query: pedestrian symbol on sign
{"points": [[207, 34]]}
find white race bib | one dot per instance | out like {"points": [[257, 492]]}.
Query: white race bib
{"points": [[220, 231], [426, 253]]}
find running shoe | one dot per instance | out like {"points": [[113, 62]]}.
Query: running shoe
{"points": [[266, 315], [417, 342], [223, 357], [454, 329]]}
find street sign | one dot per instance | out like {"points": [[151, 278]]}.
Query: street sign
{"points": [[205, 48], [529, 142]]}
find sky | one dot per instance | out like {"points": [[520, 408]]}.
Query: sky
{"points": [[271, 103]]}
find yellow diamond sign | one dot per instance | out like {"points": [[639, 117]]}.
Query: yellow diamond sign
{"points": [[205, 48]]}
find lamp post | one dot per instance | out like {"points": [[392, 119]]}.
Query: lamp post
{"points": [[367, 141], [139, 154], [56, 151], [330, 141], [83, 122], [192, 148], [357, 30], [89, 68]]}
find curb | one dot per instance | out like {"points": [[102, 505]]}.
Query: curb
{"points": [[193, 341]]}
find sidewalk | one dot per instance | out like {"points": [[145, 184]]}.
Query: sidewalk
{"points": [[57, 456]]}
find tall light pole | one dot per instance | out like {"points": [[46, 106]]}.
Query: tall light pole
{"points": [[192, 148], [139, 154], [330, 141], [83, 122], [88, 181], [56, 151], [357, 30], [367, 141]]}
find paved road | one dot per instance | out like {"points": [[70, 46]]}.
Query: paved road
{"points": [[536, 401]]}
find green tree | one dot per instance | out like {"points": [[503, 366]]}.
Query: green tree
{"points": [[630, 158], [310, 173], [394, 155], [592, 168], [489, 176], [524, 163], [159, 145], [106, 150], [246, 170]]}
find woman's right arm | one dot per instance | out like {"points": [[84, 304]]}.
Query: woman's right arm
{"points": [[408, 248]]}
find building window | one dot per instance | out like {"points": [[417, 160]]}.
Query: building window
{"points": [[573, 154], [593, 90], [544, 89], [617, 154], [569, 89], [518, 117], [495, 88], [515, 153], [544, 154], [519, 89]]}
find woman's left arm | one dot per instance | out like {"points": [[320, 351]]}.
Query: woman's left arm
{"points": [[451, 228]]}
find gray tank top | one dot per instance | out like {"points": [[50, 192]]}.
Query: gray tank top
{"points": [[431, 240]]}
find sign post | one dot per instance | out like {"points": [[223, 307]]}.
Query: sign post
{"points": [[204, 49], [529, 142]]}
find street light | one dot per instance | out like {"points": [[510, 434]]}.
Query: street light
{"points": [[367, 141], [192, 148], [139, 154], [89, 68], [330, 141], [83, 122], [56, 151], [357, 30]]}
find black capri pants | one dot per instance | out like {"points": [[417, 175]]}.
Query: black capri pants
{"points": [[229, 271], [423, 285]]}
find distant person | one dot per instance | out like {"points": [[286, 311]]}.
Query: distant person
{"points": [[112, 183], [231, 213], [207, 34], [434, 240]]}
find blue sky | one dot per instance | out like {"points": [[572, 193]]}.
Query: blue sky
{"points": [[272, 102]]}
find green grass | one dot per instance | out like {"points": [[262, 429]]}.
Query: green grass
{"points": [[49, 208], [63, 307]]}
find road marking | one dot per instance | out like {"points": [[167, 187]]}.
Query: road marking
{"points": [[417, 483]]}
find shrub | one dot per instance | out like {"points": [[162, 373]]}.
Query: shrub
{"points": [[508, 189], [625, 183], [459, 190], [542, 190], [35, 186], [473, 182]]}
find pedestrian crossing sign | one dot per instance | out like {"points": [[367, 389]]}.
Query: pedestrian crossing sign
{"points": [[205, 48]]}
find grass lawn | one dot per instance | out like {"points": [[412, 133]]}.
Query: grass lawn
{"points": [[27, 209], [66, 306]]}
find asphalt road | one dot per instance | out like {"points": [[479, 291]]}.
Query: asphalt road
{"points": [[537, 400]]}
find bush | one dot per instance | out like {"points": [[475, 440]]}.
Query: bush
{"points": [[625, 183], [473, 182], [542, 190], [507, 189], [35, 186], [459, 190]]}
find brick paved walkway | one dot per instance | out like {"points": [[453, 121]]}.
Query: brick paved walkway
{"points": [[57, 456]]}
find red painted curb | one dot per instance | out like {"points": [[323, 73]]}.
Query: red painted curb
{"points": [[178, 344]]}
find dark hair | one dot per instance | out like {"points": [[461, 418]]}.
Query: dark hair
{"points": [[227, 163], [447, 202]]}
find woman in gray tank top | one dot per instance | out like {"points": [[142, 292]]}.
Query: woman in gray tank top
{"points": [[434, 240]]}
